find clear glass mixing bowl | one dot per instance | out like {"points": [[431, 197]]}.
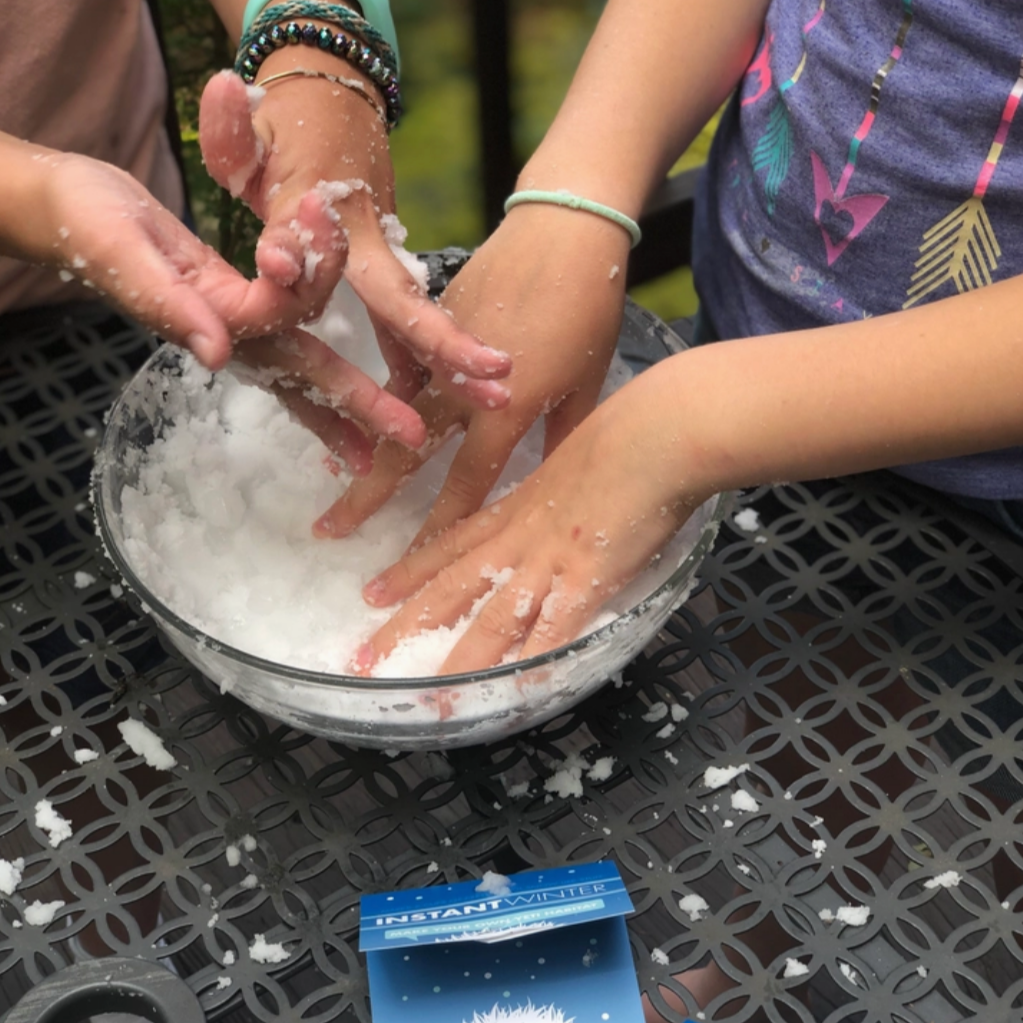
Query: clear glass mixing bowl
{"points": [[405, 713]]}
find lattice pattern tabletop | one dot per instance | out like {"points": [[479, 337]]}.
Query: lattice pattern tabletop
{"points": [[814, 657]]}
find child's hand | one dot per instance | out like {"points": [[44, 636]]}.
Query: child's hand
{"points": [[313, 141], [96, 223], [586, 522], [328, 395], [544, 289]]}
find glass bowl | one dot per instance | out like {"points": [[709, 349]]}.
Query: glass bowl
{"points": [[396, 713]]}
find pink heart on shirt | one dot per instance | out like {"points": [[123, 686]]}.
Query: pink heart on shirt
{"points": [[860, 209]]}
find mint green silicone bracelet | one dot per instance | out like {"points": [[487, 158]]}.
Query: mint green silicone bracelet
{"points": [[376, 12], [575, 202]]}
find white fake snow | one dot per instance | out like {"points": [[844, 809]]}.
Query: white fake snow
{"points": [[236, 475], [10, 874], [694, 905], [950, 879], [262, 951], [567, 782], [744, 802], [58, 828], [494, 884], [84, 756], [715, 777], [848, 972], [747, 520], [223, 982], [145, 743], [659, 957], [794, 968], [854, 916], [83, 580], [39, 914], [656, 712], [228, 958], [818, 845], [922, 970], [601, 769]]}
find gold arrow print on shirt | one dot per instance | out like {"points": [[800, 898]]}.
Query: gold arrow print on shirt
{"points": [[962, 247]]}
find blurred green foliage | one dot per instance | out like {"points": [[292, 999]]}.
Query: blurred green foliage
{"points": [[435, 149]]}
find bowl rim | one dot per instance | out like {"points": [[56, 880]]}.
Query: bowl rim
{"points": [[151, 603]]}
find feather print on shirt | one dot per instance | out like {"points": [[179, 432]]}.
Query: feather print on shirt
{"points": [[861, 209], [962, 247], [773, 151]]}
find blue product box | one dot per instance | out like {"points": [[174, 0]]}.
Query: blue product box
{"points": [[544, 946]]}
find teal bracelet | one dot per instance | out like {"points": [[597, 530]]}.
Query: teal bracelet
{"points": [[376, 12], [575, 202]]}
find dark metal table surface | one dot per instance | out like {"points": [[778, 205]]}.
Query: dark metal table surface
{"points": [[785, 656]]}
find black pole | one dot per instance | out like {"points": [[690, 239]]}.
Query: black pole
{"points": [[492, 43]]}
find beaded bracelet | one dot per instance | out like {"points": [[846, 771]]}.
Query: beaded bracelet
{"points": [[376, 12], [332, 13], [575, 202], [377, 64]]}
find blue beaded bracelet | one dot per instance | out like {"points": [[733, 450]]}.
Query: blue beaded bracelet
{"points": [[376, 61], [575, 202], [376, 12]]}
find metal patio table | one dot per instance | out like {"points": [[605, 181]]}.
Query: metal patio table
{"points": [[262, 830]]}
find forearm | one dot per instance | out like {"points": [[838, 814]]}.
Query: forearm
{"points": [[942, 380], [652, 76], [24, 170]]}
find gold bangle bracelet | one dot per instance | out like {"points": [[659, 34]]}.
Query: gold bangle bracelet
{"points": [[349, 83]]}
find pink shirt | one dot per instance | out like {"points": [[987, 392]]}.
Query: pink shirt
{"points": [[84, 76]]}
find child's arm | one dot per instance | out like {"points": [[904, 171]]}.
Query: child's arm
{"points": [[548, 286], [940, 380], [95, 222], [98, 224]]}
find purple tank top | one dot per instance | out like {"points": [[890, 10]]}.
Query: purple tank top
{"points": [[871, 160]]}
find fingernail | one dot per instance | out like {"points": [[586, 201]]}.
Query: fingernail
{"points": [[497, 395], [496, 355], [203, 348], [373, 592], [323, 528], [364, 658]]}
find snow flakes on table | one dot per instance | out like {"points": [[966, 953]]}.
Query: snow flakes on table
{"points": [[145, 743], [794, 968], [748, 520], [48, 819], [718, 777], [854, 916], [10, 874], [263, 951], [694, 905], [949, 879]]}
